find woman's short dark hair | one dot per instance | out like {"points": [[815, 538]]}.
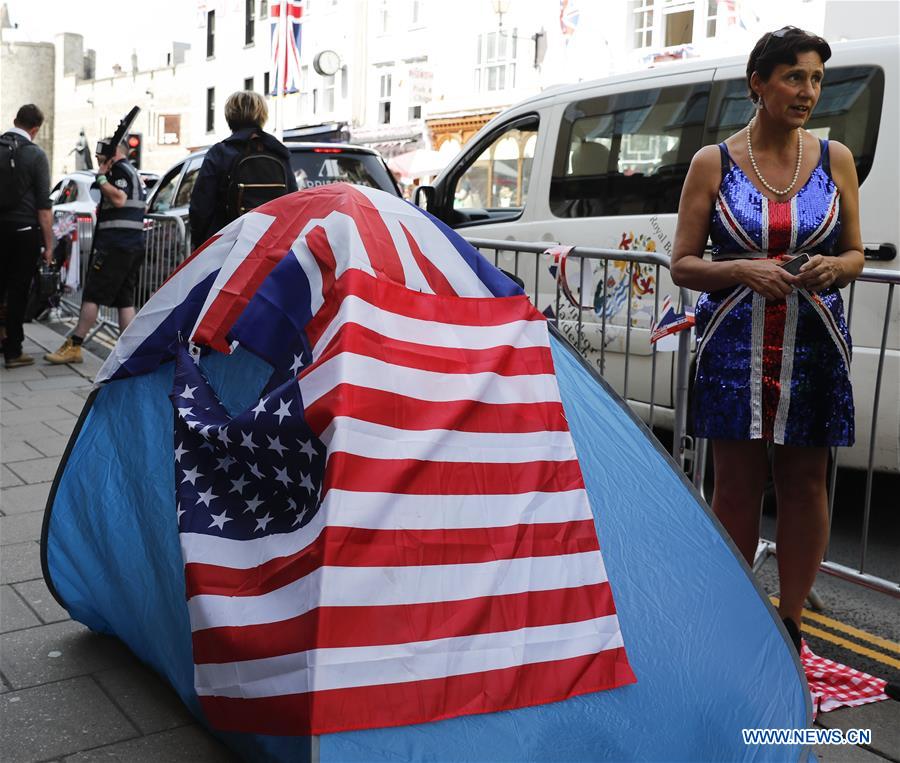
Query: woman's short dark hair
{"points": [[782, 47]]}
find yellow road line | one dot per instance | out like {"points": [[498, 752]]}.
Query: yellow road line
{"points": [[853, 647], [891, 646]]}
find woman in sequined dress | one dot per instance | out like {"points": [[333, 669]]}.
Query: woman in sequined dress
{"points": [[773, 352]]}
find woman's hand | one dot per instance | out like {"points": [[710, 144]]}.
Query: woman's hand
{"points": [[767, 277], [820, 273]]}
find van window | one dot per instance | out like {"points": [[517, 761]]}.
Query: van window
{"points": [[165, 190], [323, 166], [849, 111], [627, 153], [494, 184]]}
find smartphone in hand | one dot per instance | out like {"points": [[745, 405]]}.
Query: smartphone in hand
{"points": [[793, 266]]}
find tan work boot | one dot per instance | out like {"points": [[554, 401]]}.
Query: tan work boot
{"points": [[67, 353]]}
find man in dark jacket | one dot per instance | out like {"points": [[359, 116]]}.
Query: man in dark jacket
{"points": [[24, 229], [246, 113]]}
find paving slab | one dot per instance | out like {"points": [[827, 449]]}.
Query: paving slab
{"points": [[17, 528], [845, 753], [18, 451], [26, 432], [148, 701], [46, 412], [14, 613], [69, 381], [20, 562], [9, 478], [64, 427], [52, 444], [36, 594], [188, 744], [35, 471], [31, 400], [883, 718], [50, 371], [56, 652], [22, 498], [24, 374], [59, 719]]}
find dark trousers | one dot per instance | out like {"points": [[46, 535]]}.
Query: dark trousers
{"points": [[20, 251]]}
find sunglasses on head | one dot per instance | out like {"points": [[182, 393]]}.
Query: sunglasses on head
{"points": [[779, 33]]}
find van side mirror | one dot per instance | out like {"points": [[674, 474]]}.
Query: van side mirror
{"points": [[424, 198]]}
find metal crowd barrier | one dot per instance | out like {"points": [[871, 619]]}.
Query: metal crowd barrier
{"points": [[689, 453], [166, 246]]}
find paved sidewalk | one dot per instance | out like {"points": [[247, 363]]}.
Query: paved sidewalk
{"points": [[68, 694]]}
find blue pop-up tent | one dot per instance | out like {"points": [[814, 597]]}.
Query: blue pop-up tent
{"points": [[708, 652]]}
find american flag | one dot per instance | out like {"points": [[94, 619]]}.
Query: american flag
{"points": [[287, 18], [397, 530]]}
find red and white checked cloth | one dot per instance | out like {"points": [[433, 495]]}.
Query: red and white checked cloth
{"points": [[832, 685]]}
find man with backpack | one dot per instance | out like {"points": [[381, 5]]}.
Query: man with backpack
{"points": [[26, 223], [248, 168]]}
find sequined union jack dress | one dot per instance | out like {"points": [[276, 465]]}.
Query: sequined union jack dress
{"points": [[775, 371]]}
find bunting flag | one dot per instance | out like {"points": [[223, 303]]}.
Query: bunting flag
{"points": [[670, 322], [397, 531], [287, 25]]}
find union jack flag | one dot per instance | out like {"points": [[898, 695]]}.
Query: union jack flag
{"points": [[670, 321], [397, 531], [287, 25]]}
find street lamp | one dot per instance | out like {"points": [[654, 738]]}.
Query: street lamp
{"points": [[501, 7]]}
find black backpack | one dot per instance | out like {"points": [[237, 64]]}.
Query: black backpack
{"points": [[256, 176], [10, 185]]}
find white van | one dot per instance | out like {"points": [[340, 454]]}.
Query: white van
{"points": [[602, 163]]}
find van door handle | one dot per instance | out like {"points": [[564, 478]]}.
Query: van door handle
{"points": [[883, 253]]}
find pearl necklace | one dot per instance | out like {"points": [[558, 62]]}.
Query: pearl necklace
{"points": [[762, 180]]}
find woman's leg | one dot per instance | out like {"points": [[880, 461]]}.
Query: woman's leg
{"points": [[741, 468], [802, 532]]}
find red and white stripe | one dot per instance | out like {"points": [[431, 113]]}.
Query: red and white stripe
{"points": [[453, 566]]}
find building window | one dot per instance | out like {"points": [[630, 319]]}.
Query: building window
{"points": [[415, 12], [643, 23], [249, 21], [678, 18], [328, 93], [415, 112], [384, 100], [168, 129], [210, 109], [712, 10], [304, 89], [266, 83], [248, 83], [383, 17], [495, 61], [264, 9], [210, 34]]}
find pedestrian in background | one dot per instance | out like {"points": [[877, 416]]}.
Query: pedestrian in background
{"points": [[246, 169], [26, 223], [773, 352], [117, 252]]}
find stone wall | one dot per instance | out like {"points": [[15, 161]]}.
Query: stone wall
{"points": [[27, 76]]}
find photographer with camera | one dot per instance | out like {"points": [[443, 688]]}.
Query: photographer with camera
{"points": [[118, 248]]}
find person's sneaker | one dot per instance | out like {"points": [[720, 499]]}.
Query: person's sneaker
{"points": [[67, 353], [21, 360]]}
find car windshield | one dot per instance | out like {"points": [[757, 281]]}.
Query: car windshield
{"points": [[325, 166]]}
